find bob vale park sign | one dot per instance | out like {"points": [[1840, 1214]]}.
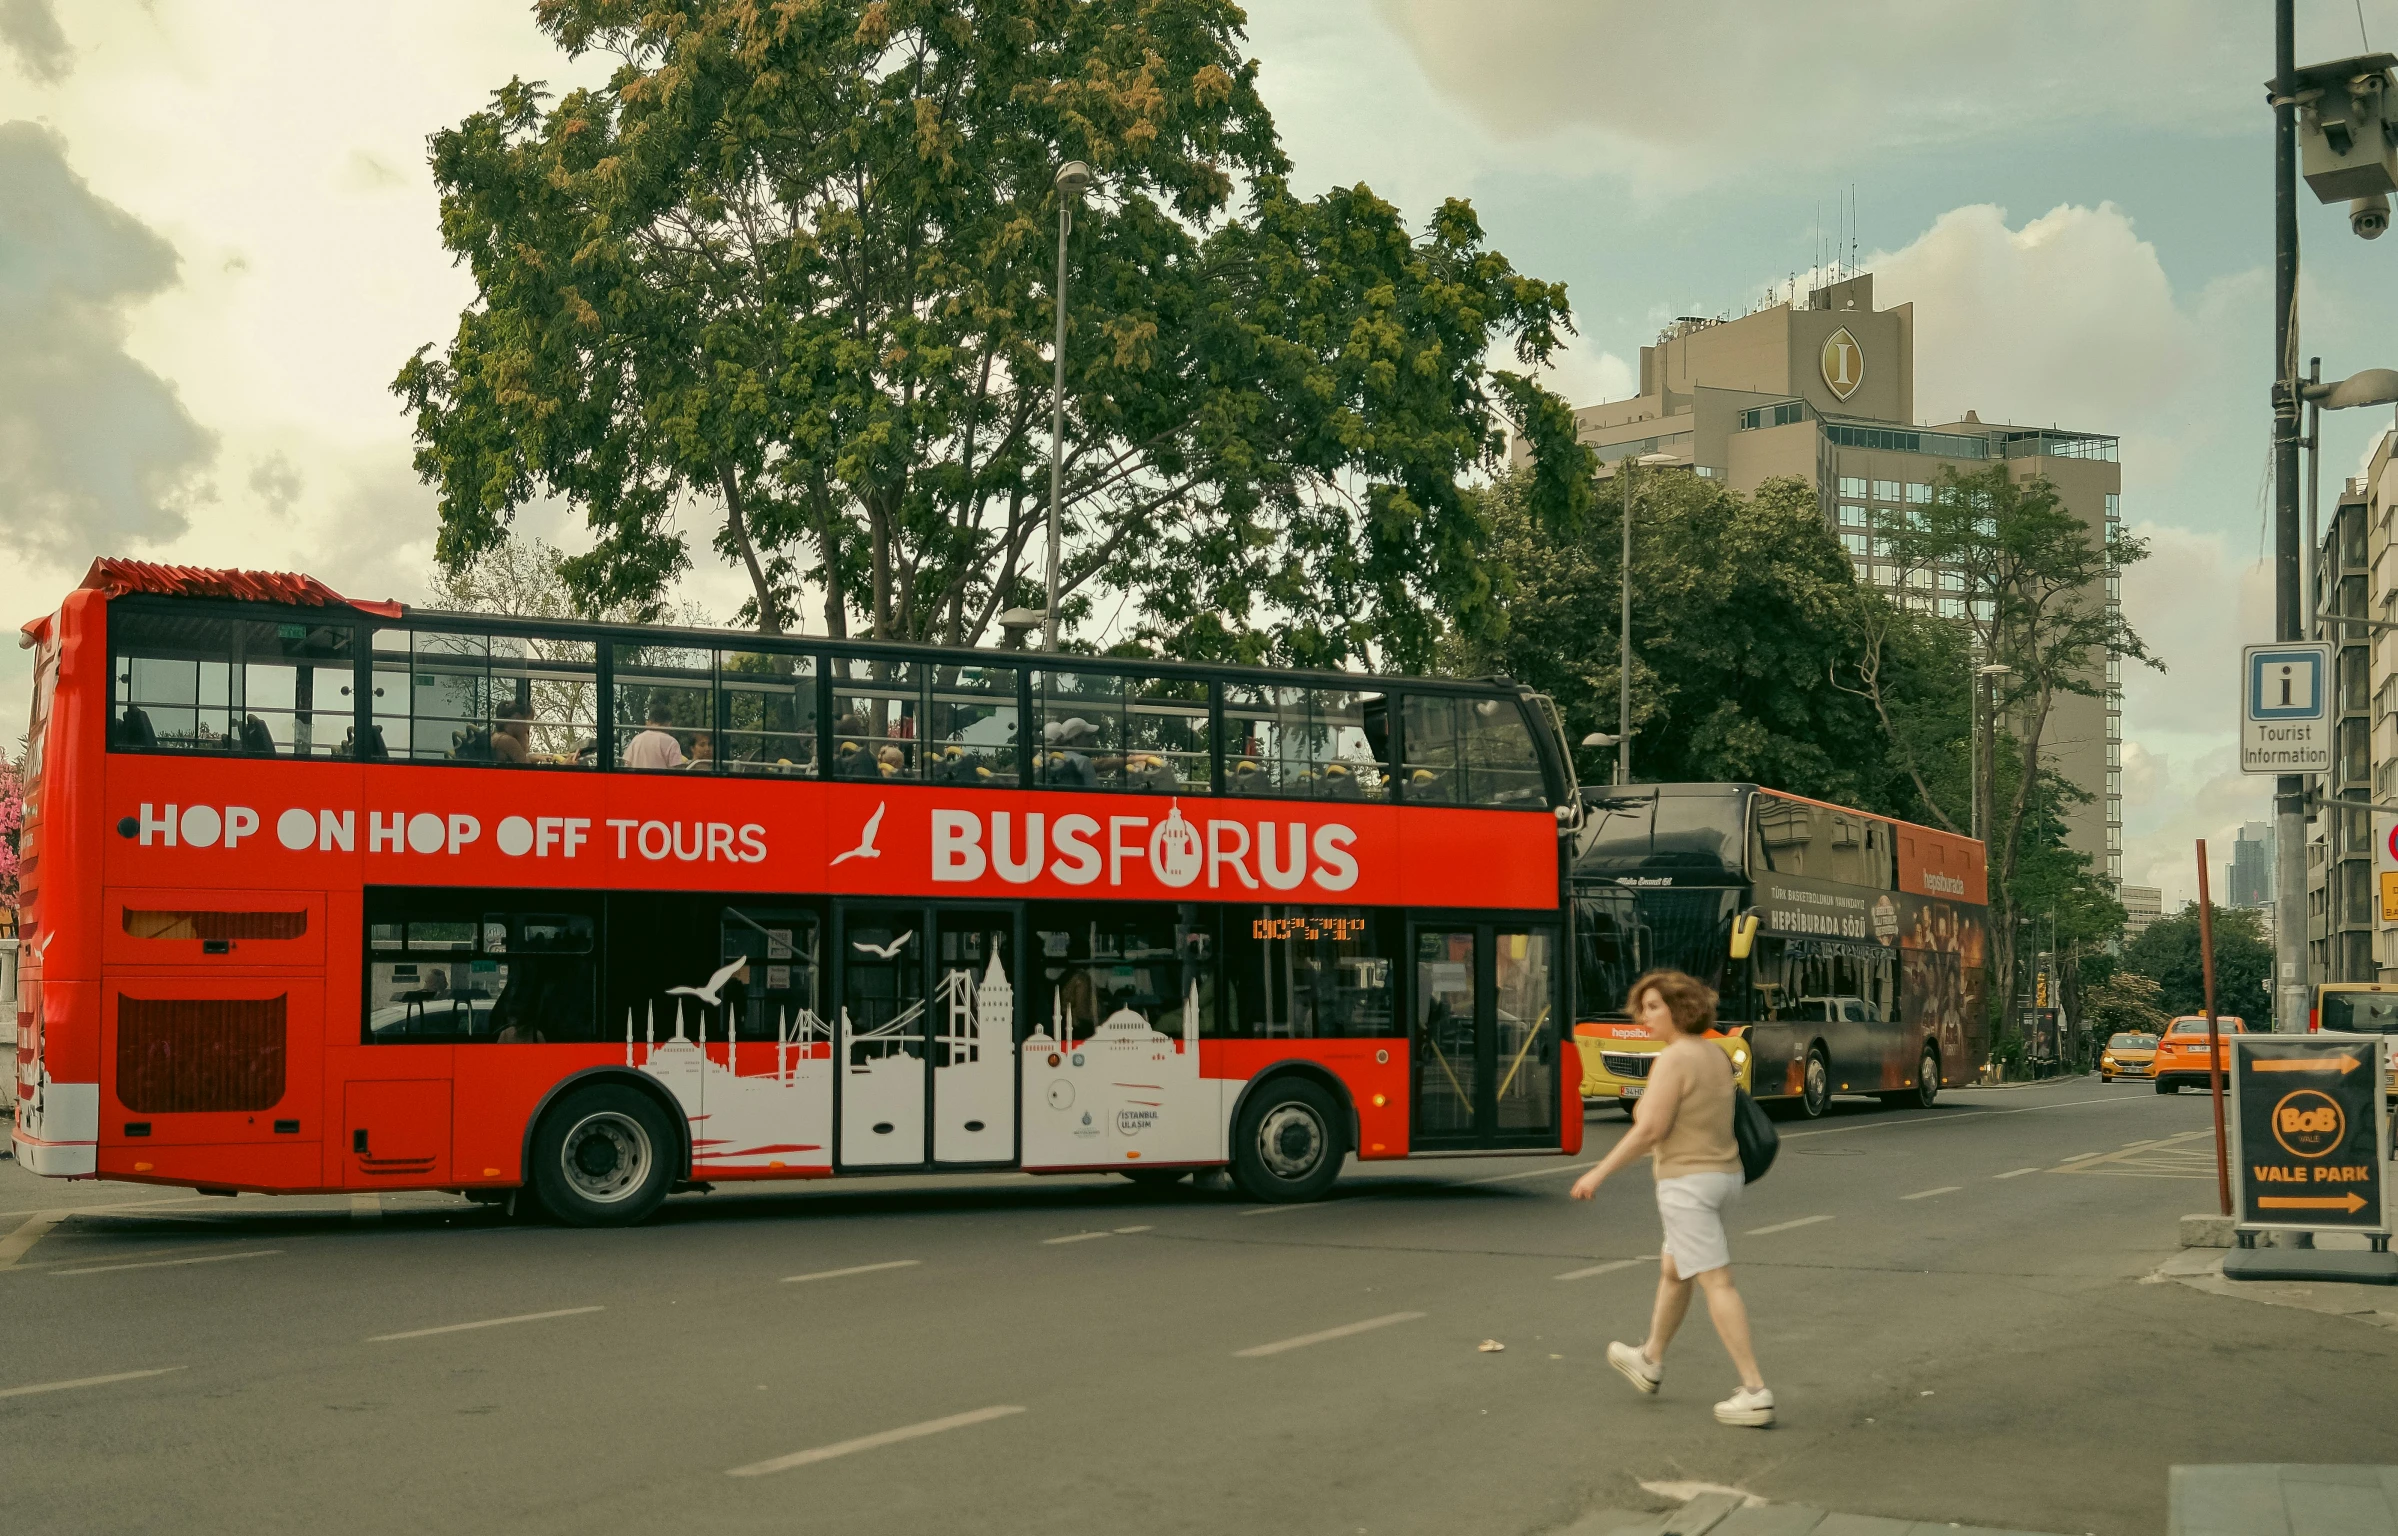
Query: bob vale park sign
{"points": [[2310, 1153], [2285, 708]]}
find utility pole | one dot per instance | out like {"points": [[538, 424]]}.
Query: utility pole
{"points": [[1071, 178], [1623, 699], [2289, 789]]}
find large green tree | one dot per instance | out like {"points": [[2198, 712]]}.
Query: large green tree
{"points": [[2031, 580], [1740, 615], [2167, 952], [795, 264]]}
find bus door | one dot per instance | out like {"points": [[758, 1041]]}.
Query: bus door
{"points": [[1484, 1037], [926, 1036]]}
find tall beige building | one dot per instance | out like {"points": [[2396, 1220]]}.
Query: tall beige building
{"points": [[1825, 391], [2355, 574]]}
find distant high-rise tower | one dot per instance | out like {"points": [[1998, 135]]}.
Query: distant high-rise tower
{"points": [[2250, 882]]}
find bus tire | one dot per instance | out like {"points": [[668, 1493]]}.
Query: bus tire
{"points": [[1927, 1083], [1815, 1096], [1286, 1145], [603, 1157], [1155, 1180]]}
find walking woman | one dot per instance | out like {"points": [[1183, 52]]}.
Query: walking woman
{"points": [[1686, 1117]]}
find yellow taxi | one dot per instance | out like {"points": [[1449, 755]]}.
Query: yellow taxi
{"points": [[2128, 1055], [2181, 1056], [1616, 1055], [2360, 1008]]}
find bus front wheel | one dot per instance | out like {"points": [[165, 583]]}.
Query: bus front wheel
{"points": [[603, 1157], [1286, 1147], [1816, 1095]]}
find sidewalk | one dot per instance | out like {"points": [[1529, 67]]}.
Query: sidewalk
{"points": [[2269, 1500]]}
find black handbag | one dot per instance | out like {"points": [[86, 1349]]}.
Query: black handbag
{"points": [[1755, 1132]]}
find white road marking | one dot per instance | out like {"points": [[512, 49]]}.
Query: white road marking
{"points": [[205, 1258], [20, 1242], [1122, 1230], [1959, 1117], [1605, 1269], [1926, 1194], [871, 1442], [366, 1207], [1255, 1351], [1072, 1237], [854, 1269], [489, 1322], [85, 1381], [1536, 1173], [2016, 1174], [1785, 1226]]}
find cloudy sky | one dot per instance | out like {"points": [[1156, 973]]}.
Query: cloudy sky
{"points": [[218, 243]]}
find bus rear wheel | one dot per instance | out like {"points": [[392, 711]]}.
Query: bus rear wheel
{"points": [[1927, 1084], [603, 1157], [1285, 1146], [1815, 1096]]}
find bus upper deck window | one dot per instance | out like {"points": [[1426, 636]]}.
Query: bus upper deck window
{"points": [[240, 687]]}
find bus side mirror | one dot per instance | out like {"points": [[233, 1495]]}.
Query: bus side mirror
{"points": [[1744, 934]]}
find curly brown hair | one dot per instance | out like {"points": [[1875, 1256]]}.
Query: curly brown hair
{"points": [[1690, 1000]]}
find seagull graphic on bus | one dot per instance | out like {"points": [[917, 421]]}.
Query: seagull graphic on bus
{"points": [[865, 848]]}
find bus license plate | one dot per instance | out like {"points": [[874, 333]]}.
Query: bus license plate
{"points": [[1630, 1091]]}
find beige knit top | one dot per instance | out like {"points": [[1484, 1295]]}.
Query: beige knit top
{"points": [[1700, 1140]]}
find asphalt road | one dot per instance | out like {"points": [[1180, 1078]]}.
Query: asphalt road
{"points": [[1948, 1304]]}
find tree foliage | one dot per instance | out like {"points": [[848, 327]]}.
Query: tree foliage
{"points": [[2167, 951], [1741, 611], [795, 263], [2124, 1003]]}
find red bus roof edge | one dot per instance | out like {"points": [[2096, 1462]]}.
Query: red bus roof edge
{"points": [[115, 578]]}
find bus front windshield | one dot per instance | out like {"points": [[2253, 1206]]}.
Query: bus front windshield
{"points": [[1621, 932], [2360, 1013]]}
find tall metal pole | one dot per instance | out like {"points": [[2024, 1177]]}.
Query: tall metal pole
{"points": [[2289, 789], [1057, 417], [1623, 703], [2214, 1033]]}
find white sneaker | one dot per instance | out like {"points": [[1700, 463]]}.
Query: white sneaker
{"points": [[1635, 1367], [1749, 1409]]}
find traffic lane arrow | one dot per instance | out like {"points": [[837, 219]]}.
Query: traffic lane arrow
{"points": [[2350, 1202], [2340, 1063]]}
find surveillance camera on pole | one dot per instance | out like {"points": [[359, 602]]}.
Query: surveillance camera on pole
{"points": [[2348, 136]]}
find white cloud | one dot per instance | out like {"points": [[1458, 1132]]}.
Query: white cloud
{"points": [[29, 32], [95, 449], [1711, 88]]}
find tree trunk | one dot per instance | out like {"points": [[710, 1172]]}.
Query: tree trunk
{"points": [[769, 621]]}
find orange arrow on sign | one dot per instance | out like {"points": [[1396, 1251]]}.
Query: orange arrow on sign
{"points": [[2340, 1063], [2350, 1202]]}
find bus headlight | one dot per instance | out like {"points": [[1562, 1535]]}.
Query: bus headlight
{"points": [[1739, 1057]]}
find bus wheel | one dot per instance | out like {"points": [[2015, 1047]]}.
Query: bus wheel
{"points": [[601, 1158], [1154, 1180], [1816, 1096], [1927, 1084], [1284, 1148]]}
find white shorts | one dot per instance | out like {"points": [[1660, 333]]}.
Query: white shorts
{"points": [[1692, 1207]]}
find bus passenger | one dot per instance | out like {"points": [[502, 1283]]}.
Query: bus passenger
{"points": [[1686, 1116], [703, 754], [512, 735], [655, 747], [1064, 766]]}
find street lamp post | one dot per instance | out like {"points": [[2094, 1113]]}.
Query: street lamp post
{"points": [[1072, 177], [1985, 747], [1623, 703]]}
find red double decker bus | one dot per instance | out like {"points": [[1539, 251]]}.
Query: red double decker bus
{"points": [[330, 895]]}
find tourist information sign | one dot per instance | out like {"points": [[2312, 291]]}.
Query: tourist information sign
{"points": [[2285, 708]]}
